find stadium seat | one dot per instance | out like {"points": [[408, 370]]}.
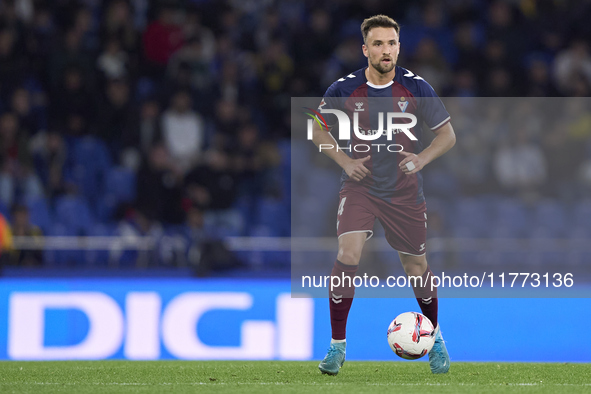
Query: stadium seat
{"points": [[311, 219], [441, 207], [74, 213], [119, 187], [544, 247], [579, 252], [90, 161], [323, 184], [582, 214], [144, 88], [512, 214], [62, 257], [550, 217], [99, 258], [472, 217], [120, 182], [440, 183], [52, 257], [284, 147], [301, 154], [285, 184], [503, 231], [5, 211], [39, 213], [275, 215]]}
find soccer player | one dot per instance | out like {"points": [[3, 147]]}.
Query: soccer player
{"points": [[383, 184]]}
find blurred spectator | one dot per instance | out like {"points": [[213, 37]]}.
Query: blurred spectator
{"points": [[84, 27], [572, 67], [140, 224], [320, 44], [118, 26], [12, 64], [21, 106], [469, 54], [499, 84], [161, 39], [50, 156], [159, 191], [141, 133], [17, 178], [432, 26], [430, 65], [40, 39], [22, 227], [345, 57], [192, 59], [6, 243], [255, 162], [464, 85], [230, 87], [269, 29], [113, 61], [564, 155], [193, 27], [72, 98], [183, 131], [113, 114], [495, 54], [520, 166], [505, 29], [196, 235], [71, 55], [76, 126], [23, 9], [275, 69], [213, 187], [228, 121], [474, 171], [540, 82]]}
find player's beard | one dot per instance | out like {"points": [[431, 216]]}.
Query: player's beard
{"points": [[384, 69]]}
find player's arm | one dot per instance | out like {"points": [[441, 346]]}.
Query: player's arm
{"points": [[444, 140], [328, 145]]}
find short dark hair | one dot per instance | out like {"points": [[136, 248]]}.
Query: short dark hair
{"points": [[378, 21]]}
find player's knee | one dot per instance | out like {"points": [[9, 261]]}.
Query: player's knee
{"points": [[415, 266], [349, 256]]}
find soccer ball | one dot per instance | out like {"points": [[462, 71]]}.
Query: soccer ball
{"points": [[411, 335]]}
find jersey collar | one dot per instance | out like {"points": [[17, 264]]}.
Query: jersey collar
{"points": [[379, 86]]}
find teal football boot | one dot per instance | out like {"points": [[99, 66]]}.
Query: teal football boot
{"points": [[438, 356], [334, 360]]}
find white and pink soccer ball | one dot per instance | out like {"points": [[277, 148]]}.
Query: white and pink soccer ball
{"points": [[411, 335]]}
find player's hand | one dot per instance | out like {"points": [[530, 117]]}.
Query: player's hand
{"points": [[416, 161], [356, 169]]}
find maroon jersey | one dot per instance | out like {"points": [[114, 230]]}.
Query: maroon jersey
{"points": [[406, 93]]}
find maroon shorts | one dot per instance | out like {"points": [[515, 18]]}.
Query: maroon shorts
{"points": [[405, 225]]}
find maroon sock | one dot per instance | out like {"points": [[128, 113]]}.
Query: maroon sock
{"points": [[426, 297], [341, 298]]}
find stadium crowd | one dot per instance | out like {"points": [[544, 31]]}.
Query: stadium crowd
{"points": [[154, 117]]}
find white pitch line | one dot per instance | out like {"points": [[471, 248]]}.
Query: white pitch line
{"points": [[283, 383]]}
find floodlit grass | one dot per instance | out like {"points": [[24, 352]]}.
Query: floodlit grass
{"points": [[290, 377]]}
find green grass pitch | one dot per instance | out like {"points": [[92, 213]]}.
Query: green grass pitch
{"points": [[288, 377]]}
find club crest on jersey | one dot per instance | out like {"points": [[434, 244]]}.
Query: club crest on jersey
{"points": [[359, 105], [402, 104]]}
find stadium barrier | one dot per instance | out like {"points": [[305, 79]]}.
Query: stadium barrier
{"points": [[286, 244], [212, 319]]}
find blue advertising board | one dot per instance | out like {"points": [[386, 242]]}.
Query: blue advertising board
{"points": [[207, 319]]}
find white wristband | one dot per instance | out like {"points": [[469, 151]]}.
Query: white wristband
{"points": [[410, 166]]}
